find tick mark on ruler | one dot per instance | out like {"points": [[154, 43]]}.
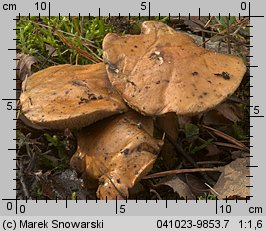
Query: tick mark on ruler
{"points": [[199, 13], [116, 205], [17, 19]]}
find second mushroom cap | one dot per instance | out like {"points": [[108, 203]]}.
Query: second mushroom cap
{"points": [[118, 151], [70, 96]]}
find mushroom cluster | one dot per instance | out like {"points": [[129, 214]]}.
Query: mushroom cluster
{"points": [[157, 72]]}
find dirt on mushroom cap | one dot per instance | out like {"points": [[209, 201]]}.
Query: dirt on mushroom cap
{"points": [[118, 151], [162, 71], [70, 96]]}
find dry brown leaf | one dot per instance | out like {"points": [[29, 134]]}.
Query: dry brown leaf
{"points": [[213, 151], [178, 186], [233, 180], [24, 65], [239, 154], [197, 186], [63, 185], [223, 114]]}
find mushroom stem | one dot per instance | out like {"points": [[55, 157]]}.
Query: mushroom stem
{"points": [[167, 124]]}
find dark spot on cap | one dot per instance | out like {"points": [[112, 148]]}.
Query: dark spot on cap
{"points": [[195, 74], [79, 83], [157, 82], [125, 151], [135, 46], [118, 181], [111, 67], [224, 75], [205, 93], [132, 50], [139, 125], [131, 82], [209, 81]]}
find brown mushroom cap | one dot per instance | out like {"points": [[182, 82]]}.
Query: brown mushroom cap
{"points": [[162, 71], [68, 96], [118, 151]]}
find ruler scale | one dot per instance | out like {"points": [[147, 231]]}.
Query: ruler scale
{"points": [[130, 215]]}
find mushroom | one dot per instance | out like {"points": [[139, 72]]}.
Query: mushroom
{"points": [[117, 151], [69, 96], [158, 72], [161, 71]]}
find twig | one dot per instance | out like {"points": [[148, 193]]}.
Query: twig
{"points": [[179, 171], [228, 35], [203, 39], [82, 26], [211, 162], [77, 59], [80, 51], [157, 194], [92, 52], [227, 137], [213, 190], [229, 145], [63, 32], [22, 180]]}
